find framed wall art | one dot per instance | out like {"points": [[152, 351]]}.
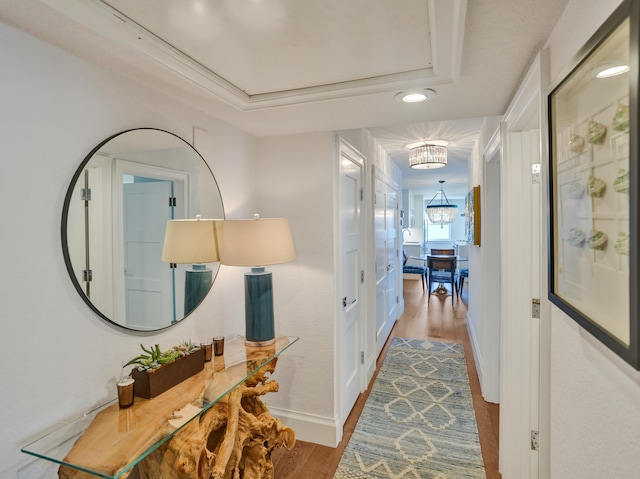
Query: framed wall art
{"points": [[593, 185], [472, 216]]}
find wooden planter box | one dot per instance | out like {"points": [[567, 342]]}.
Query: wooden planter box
{"points": [[151, 384]]}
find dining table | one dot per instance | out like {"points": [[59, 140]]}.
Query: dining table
{"points": [[441, 289]]}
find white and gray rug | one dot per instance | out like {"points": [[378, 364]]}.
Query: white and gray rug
{"points": [[418, 422]]}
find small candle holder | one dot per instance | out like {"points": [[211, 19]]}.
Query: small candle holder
{"points": [[207, 346], [218, 345], [125, 392]]}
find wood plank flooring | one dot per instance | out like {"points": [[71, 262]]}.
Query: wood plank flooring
{"points": [[437, 320]]}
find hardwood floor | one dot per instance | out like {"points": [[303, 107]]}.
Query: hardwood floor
{"points": [[437, 320]]}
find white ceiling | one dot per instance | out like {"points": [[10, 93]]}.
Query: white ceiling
{"points": [[275, 67]]}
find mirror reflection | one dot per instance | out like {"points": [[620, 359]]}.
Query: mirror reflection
{"points": [[113, 226]]}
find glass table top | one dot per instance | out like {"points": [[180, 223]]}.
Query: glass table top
{"points": [[109, 441]]}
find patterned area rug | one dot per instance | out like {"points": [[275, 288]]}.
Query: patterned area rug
{"points": [[418, 422]]}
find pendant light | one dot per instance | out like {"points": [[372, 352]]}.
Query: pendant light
{"points": [[439, 210]]}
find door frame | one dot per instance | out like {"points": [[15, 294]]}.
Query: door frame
{"points": [[524, 351], [346, 149], [489, 363]]}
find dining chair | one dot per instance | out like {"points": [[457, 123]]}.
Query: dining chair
{"points": [[413, 269], [442, 270], [462, 274], [450, 252]]}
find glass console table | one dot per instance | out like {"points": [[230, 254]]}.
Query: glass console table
{"points": [[109, 442]]}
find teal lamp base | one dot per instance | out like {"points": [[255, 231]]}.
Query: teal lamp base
{"points": [[258, 305], [198, 281]]}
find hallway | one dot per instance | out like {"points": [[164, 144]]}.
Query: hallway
{"points": [[436, 320]]}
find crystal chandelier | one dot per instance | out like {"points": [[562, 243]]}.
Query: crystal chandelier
{"points": [[428, 156], [439, 210]]}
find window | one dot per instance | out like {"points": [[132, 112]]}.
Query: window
{"points": [[436, 232]]}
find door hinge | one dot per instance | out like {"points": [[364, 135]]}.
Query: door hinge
{"points": [[535, 441], [172, 201], [362, 277], [87, 275], [85, 194], [535, 308], [361, 194], [361, 357], [535, 174]]}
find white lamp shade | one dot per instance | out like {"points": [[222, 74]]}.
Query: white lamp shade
{"points": [[190, 241], [257, 242]]}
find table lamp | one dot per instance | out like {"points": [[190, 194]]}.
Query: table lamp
{"points": [[256, 243], [192, 241]]}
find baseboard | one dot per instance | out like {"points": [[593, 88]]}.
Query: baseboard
{"points": [[309, 427], [475, 347]]}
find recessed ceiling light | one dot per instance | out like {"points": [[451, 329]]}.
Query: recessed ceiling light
{"points": [[415, 96], [426, 142], [613, 71]]}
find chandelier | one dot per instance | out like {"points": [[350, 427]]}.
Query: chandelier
{"points": [[428, 156], [439, 210]]}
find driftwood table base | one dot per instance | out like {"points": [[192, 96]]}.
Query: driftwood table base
{"points": [[232, 440]]}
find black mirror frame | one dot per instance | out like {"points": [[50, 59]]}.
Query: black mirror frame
{"points": [[64, 226]]}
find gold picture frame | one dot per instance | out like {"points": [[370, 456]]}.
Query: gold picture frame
{"points": [[472, 216]]}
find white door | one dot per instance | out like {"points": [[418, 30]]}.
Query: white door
{"points": [[391, 213], [351, 280], [147, 282], [385, 212]]}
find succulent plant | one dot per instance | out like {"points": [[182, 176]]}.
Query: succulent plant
{"points": [[154, 358], [185, 348]]}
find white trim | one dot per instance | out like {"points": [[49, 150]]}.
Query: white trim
{"points": [[519, 270], [493, 146], [344, 148], [476, 349], [491, 240], [544, 400], [325, 431], [446, 18]]}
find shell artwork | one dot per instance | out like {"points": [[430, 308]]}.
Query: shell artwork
{"points": [[597, 240], [597, 133], [575, 190], [621, 118], [622, 244], [576, 144], [576, 237], [621, 183], [595, 187]]}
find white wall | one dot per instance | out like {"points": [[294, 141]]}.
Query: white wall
{"points": [[60, 359], [484, 329], [595, 417], [296, 181]]}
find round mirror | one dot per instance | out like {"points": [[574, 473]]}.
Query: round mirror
{"points": [[113, 226]]}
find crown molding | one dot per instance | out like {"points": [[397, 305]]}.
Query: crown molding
{"points": [[447, 29]]}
